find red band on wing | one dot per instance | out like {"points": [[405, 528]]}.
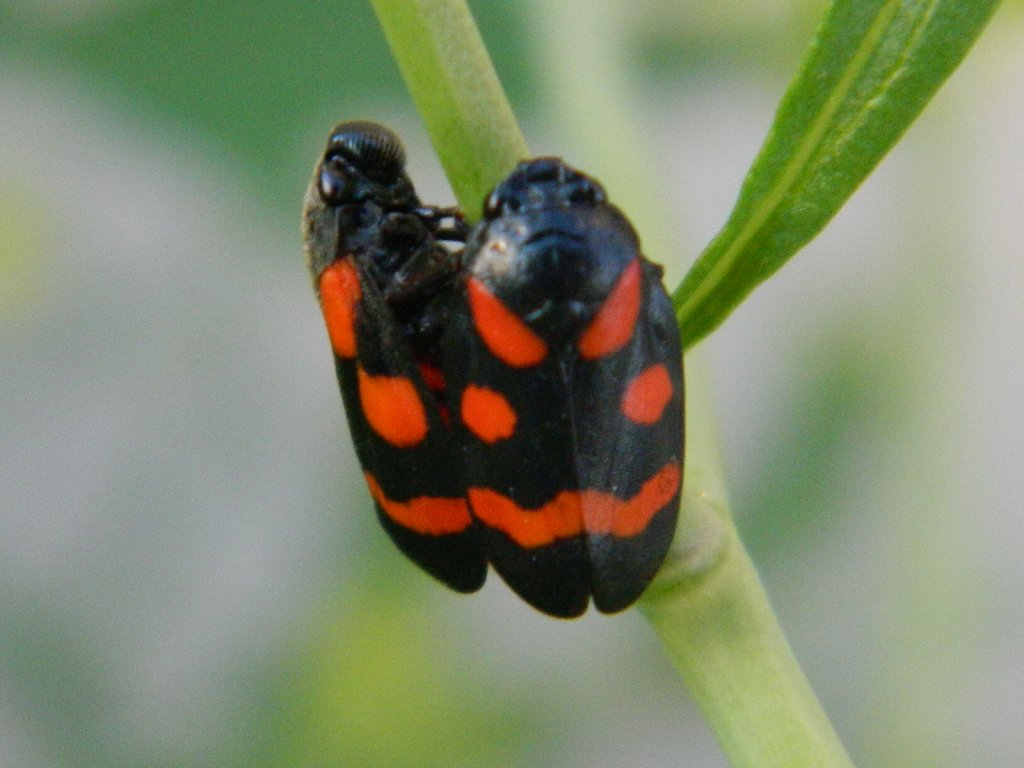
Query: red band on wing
{"points": [[429, 515], [507, 337], [613, 325], [393, 408], [571, 513], [487, 413], [339, 294], [603, 513], [647, 395], [560, 518]]}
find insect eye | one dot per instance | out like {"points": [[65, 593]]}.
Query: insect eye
{"points": [[584, 190], [372, 149], [335, 181], [582, 193]]}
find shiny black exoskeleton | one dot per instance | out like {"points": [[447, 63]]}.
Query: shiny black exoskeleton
{"points": [[562, 245]]}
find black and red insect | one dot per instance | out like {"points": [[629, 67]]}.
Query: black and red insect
{"points": [[379, 267], [518, 401]]}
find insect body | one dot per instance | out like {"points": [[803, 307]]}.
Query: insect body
{"points": [[379, 267], [519, 402], [565, 372]]}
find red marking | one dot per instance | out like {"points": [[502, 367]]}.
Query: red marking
{"points": [[429, 515], [488, 414], [560, 518], [507, 337], [571, 513], [603, 513], [433, 376], [647, 395], [339, 294], [613, 325], [393, 408]]}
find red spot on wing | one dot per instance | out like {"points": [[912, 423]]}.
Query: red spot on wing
{"points": [[506, 335], [647, 395], [429, 515], [487, 413], [613, 325], [571, 513], [393, 408], [339, 295]]}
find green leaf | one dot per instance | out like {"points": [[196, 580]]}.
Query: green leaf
{"points": [[871, 70]]}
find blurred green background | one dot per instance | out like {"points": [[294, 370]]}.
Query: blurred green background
{"points": [[190, 571]]}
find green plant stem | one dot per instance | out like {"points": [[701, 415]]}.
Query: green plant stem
{"points": [[457, 93], [710, 610], [723, 638], [707, 604]]}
